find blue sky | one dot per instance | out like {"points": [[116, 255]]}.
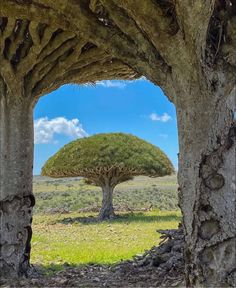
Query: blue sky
{"points": [[136, 107]]}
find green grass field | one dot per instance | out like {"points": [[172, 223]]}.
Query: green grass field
{"points": [[72, 194], [62, 239]]}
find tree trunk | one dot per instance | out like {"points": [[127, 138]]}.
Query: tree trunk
{"points": [[107, 210], [207, 165], [16, 198]]}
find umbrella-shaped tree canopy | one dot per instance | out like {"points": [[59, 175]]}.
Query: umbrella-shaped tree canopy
{"points": [[107, 160], [127, 154]]}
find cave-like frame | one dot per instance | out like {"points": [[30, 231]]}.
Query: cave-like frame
{"points": [[186, 47]]}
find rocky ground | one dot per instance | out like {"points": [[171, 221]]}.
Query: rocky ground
{"points": [[162, 266]]}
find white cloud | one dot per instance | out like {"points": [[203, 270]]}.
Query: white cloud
{"points": [[117, 83], [111, 84], [142, 78], [137, 80], [163, 118], [45, 129]]}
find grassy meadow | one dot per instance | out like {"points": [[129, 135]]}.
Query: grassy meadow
{"points": [[65, 234], [72, 194]]}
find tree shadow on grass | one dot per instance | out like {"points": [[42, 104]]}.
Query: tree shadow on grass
{"points": [[48, 270], [52, 268], [122, 218]]}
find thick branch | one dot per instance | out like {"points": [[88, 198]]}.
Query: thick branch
{"points": [[195, 21], [157, 24], [46, 71], [114, 41], [129, 27], [37, 58], [39, 11], [115, 174], [32, 50], [90, 73]]}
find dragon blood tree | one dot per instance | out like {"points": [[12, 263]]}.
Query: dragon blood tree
{"points": [[107, 160], [185, 47]]}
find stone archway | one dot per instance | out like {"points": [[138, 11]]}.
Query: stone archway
{"points": [[186, 47]]}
